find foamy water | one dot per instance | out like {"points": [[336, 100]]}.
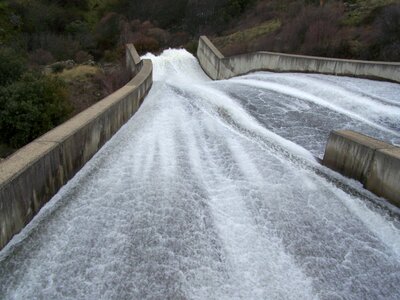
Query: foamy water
{"points": [[211, 191], [304, 108]]}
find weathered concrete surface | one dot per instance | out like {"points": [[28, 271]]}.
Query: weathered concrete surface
{"points": [[351, 153], [32, 175], [133, 61], [209, 57], [384, 174], [374, 163], [219, 67]]}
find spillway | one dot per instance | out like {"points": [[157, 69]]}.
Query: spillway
{"points": [[213, 191]]}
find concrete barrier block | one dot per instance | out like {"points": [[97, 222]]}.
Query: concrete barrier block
{"points": [[209, 57], [374, 163], [351, 153], [384, 175]]}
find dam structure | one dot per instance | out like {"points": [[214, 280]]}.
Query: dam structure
{"points": [[214, 190], [373, 162], [217, 66]]}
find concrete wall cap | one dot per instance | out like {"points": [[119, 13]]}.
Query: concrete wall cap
{"points": [[219, 67], [212, 47], [324, 58], [363, 139], [23, 159], [135, 56], [393, 152]]}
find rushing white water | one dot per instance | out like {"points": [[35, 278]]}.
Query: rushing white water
{"points": [[211, 192], [304, 108]]}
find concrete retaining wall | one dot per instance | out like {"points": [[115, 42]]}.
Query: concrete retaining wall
{"points": [[209, 58], [374, 163], [32, 175], [219, 67]]}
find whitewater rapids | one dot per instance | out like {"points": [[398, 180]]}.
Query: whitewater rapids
{"points": [[212, 190]]}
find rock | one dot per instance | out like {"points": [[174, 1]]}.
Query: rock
{"points": [[69, 64], [89, 63]]}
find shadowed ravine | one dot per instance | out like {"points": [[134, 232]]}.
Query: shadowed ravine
{"points": [[210, 192]]}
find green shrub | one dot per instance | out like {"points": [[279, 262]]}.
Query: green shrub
{"points": [[57, 67], [389, 35], [234, 8], [192, 46], [12, 66], [30, 107]]}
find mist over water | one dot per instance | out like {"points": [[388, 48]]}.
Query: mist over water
{"points": [[211, 191]]}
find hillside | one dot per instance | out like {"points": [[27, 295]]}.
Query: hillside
{"points": [[359, 29], [50, 31]]}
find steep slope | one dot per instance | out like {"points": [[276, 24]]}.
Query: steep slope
{"points": [[363, 29]]}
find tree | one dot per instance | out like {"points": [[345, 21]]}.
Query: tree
{"points": [[12, 66], [31, 107]]}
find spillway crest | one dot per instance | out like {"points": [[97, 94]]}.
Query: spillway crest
{"points": [[213, 191]]}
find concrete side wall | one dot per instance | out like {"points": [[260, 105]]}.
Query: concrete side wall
{"points": [[374, 163], [209, 57], [384, 175], [133, 61], [219, 67], [32, 175]]}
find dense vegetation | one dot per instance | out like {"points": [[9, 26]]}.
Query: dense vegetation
{"points": [[51, 30], [30, 102], [79, 29], [35, 34], [360, 29]]}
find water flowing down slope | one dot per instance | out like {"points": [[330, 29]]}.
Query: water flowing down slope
{"points": [[304, 108], [211, 191]]}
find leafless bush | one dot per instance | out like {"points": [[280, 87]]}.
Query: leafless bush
{"points": [[107, 32], [62, 47], [135, 24], [113, 78], [389, 33], [162, 36], [82, 56], [313, 31], [147, 44], [236, 48], [179, 38], [41, 57]]}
